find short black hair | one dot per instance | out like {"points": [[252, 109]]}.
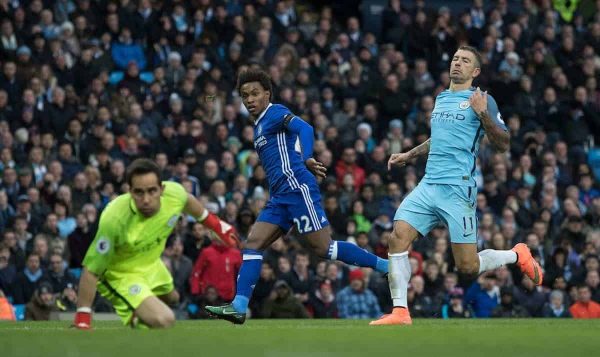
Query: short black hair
{"points": [[475, 52], [142, 167], [255, 75]]}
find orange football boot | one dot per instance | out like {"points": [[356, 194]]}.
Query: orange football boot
{"points": [[529, 266], [399, 316]]}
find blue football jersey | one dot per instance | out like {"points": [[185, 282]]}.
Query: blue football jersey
{"points": [[455, 136], [280, 153]]}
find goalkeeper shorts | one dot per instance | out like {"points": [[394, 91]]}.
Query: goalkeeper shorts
{"points": [[127, 291]]}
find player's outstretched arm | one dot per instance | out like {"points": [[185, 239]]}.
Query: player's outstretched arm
{"points": [[85, 299], [307, 138], [402, 158], [223, 230], [489, 117]]}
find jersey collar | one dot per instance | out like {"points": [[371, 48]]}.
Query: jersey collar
{"points": [[132, 206], [262, 114]]}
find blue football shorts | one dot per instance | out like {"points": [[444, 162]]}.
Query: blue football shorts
{"points": [[431, 204], [301, 207]]}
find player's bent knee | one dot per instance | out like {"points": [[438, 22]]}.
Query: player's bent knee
{"points": [[468, 269], [399, 242], [165, 320]]}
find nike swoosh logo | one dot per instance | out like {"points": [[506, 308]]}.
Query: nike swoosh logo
{"points": [[467, 234], [230, 312]]}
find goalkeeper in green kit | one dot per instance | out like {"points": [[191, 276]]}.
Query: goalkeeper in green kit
{"points": [[123, 262]]}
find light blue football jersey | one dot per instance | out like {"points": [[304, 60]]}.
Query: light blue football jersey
{"points": [[455, 136]]}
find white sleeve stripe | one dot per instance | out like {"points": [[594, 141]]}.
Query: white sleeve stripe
{"points": [[252, 257]]}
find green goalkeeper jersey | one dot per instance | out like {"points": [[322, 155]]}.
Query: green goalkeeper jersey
{"points": [[126, 241]]}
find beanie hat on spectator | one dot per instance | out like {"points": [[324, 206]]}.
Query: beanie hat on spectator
{"points": [[174, 56], [396, 123], [45, 288], [356, 274], [364, 126], [281, 284], [23, 50], [67, 26]]}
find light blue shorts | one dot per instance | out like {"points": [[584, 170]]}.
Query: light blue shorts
{"points": [[431, 204]]}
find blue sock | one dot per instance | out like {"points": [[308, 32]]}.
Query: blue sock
{"points": [[352, 254], [247, 278]]}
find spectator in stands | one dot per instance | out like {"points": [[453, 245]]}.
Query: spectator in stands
{"points": [[28, 280], [8, 271], [218, 266], [322, 303], [484, 295], [585, 308], [180, 265], [356, 301], [7, 312], [508, 308], [455, 307], [282, 304], [58, 276], [556, 307], [42, 303]]}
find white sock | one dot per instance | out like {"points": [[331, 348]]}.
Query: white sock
{"points": [[491, 259], [398, 277]]}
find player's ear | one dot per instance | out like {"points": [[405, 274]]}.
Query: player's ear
{"points": [[162, 188], [476, 72]]}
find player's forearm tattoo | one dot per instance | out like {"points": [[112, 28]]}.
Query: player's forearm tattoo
{"points": [[499, 138], [422, 149]]}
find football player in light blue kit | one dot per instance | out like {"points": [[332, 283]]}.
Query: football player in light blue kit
{"points": [[295, 197], [460, 118]]}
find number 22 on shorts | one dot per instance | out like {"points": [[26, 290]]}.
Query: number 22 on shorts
{"points": [[303, 225]]}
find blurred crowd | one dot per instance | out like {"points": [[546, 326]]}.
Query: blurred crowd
{"points": [[86, 86]]}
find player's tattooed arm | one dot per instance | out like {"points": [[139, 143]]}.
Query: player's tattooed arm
{"points": [[400, 159], [422, 149], [498, 137]]}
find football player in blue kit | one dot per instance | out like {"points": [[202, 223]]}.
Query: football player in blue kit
{"points": [[295, 199], [447, 193]]}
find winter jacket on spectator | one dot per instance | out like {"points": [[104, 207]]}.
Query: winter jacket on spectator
{"points": [[589, 310], [41, 305], [7, 312], [530, 297], [26, 282], [282, 304], [549, 311], [356, 301], [322, 303], [482, 302], [218, 266]]}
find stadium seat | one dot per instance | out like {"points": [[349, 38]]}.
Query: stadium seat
{"points": [[115, 77], [594, 162], [76, 272], [19, 311], [192, 309]]}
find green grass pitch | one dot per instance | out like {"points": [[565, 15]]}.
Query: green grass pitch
{"points": [[314, 338]]}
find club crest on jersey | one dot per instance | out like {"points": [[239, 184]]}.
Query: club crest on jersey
{"points": [[103, 245], [172, 221], [464, 105], [135, 289]]}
